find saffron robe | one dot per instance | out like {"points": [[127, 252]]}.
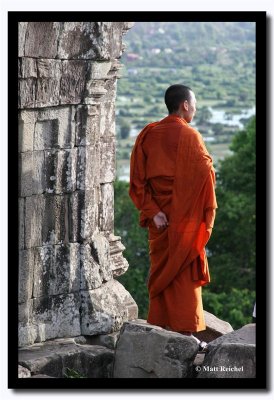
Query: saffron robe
{"points": [[172, 171]]}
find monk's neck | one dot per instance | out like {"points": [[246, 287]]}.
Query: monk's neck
{"points": [[178, 115]]}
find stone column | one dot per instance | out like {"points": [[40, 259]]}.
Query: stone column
{"points": [[68, 254]]}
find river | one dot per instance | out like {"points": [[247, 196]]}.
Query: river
{"points": [[218, 116]]}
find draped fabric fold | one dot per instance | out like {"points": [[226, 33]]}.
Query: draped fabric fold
{"points": [[186, 193]]}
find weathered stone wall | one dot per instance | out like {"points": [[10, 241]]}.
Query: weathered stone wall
{"points": [[68, 254]]}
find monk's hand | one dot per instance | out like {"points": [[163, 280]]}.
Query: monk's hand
{"points": [[160, 220]]}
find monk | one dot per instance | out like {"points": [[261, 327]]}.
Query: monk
{"points": [[172, 183]]}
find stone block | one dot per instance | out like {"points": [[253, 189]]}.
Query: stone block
{"points": [[31, 173], [118, 263], [25, 174], [43, 271], [215, 327], [25, 136], [107, 119], [56, 128], [83, 214], [100, 246], [55, 229], [95, 91], [66, 275], [109, 341], [26, 125], [46, 134], [90, 269], [73, 81], [91, 40], [127, 26], [232, 355], [114, 72], [76, 205], [28, 67], [28, 116], [107, 161], [34, 215], [69, 171], [148, 351], [45, 89], [50, 221], [25, 277], [60, 171], [87, 125], [78, 40], [51, 173], [23, 372], [88, 165], [25, 312], [27, 334], [38, 178], [57, 270], [89, 219], [116, 39], [57, 316], [21, 223], [89, 361], [104, 310], [99, 70], [54, 357], [110, 85], [22, 29], [106, 210], [41, 39], [48, 83], [27, 93], [46, 220]]}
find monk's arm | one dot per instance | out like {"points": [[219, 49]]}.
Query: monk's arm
{"points": [[210, 211], [142, 198], [149, 207]]}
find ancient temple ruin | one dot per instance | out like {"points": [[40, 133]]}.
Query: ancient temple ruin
{"points": [[68, 254], [72, 310]]}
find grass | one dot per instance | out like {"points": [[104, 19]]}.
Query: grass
{"points": [[71, 373]]}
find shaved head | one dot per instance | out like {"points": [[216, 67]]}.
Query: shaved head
{"points": [[175, 95]]}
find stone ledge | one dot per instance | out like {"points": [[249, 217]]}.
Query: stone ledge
{"points": [[108, 340], [215, 328], [148, 351], [51, 358], [231, 356]]}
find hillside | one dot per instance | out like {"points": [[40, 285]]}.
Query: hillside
{"points": [[217, 60]]}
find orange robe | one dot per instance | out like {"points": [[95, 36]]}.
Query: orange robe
{"points": [[172, 171]]}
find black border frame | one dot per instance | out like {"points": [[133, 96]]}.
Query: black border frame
{"points": [[262, 379]]}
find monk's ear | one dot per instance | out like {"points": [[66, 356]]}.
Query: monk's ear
{"points": [[185, 105]]}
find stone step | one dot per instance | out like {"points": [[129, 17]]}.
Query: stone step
{"points": [[231, 356], [148, 351], [215, 327], [52, 358]]}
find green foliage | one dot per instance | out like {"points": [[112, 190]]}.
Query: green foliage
{"points": [[71, 373], [203, 115], [219, 67], [124, 129], [235, 306], [232, 246], [136, 241]]}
